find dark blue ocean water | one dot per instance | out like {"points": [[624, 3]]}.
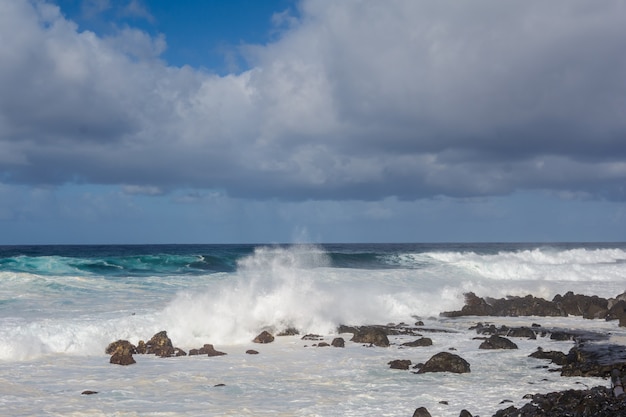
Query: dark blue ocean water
{"points": [[157, 260]]}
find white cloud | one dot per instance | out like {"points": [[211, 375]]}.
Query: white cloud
{"points": [[355, 100]]}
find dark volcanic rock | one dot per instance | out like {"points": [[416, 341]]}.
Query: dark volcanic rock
{"points": [[421, 412], [89, 392], [399, 364], [371, 334], [590, 307], [511, 306], [597, 360], [338, 342], [424, 341], [252, 352], [522, 332], [445, 362], [122, 354], [555, 356], [465, 413], [160, 345], [595, 402], [497, 342], [126, 345], [264, 337], [289, 331], [208, 350]]}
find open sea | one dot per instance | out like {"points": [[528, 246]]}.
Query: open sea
{"points": [[60, 306]]}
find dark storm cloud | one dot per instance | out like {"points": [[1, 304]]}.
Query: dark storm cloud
{"points": [[357, 100]]}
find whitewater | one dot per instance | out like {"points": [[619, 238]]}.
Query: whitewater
{"points": [[60, 306]]}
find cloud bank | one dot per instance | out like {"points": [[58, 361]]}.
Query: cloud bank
{"points": [[358, 99]]}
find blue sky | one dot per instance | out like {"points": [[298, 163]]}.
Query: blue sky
{"points": [[138, 121]]}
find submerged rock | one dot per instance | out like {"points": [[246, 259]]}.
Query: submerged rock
{"points": [[424, 341], [399, 364], [497, 342]]}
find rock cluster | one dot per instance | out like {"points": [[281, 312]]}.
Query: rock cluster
{"points": [[160, 344], [590, 307]]}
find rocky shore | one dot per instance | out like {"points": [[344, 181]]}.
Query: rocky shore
{"points": [[592, 354]]}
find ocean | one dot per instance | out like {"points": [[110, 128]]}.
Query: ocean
{"points": [[60, 306]]}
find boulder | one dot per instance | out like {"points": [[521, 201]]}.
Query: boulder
{"points": [[445, 362], [421, 412], [338, 342], [372, 335], [160, 345], [209, 350], [252, 352], [497, 342], [126, 345], [522, 332], [264, 337], [424, 341], [122, 354]]}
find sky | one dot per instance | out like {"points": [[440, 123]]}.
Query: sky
{"points": [[291, 121]]}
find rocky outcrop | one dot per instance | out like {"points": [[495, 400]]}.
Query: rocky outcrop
{"points": [[445, 362], [589, 307], [595, 402]]}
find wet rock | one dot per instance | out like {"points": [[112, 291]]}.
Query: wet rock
{"points": [[209, 350], [595, 402], [264, 337], [465, 413], [521, 332], [323, 344], [497, 342], [338, 342], [445, 362], [421, 412], [556, 357], [372, 335], [122, 354], [399, 364], [125, 344], [511, 306], [88, 392], [160, 345], [590, 307], [141, 347], [595, 360], [252, 352], [424, 341]]}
